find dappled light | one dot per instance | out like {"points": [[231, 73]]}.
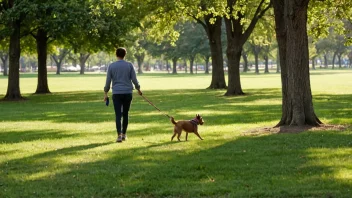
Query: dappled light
{"points": [[64, 143]]}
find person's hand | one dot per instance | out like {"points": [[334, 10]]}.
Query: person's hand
{"points": [[140, 92], [105, 97]]}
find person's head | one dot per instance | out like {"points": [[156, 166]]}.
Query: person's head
{"points": [[121, 52]]}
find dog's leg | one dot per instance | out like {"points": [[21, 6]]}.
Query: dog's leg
{"points": [[178, 136], [196, 132], [186, 135], [174, 134]]}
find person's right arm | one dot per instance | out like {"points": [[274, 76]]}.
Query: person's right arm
{"points": [[107, 84], [135, 81]]}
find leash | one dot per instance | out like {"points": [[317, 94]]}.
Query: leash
{"points": [[154, 106]]}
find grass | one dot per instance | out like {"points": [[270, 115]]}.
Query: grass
{"points": [[62, 144]]}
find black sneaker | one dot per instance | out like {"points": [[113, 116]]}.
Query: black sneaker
{"points": [[124, 137], [119, 139]]}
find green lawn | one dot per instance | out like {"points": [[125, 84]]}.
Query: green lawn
{"points": [[63, 144]]}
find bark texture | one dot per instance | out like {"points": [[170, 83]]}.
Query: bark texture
{"points": [[237, 35], [13, 88], [214, 36], [42, 46], [291, 31], [174, 65]]}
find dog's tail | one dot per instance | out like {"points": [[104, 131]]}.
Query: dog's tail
{"points": [[172, 120]]}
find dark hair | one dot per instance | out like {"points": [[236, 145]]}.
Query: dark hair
{"points": [[121, 52]]}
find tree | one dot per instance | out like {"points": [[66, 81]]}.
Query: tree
{"points": [[291, 34], [58, 56], [245, 53], [47, 22], [192, 41], [12, 13], [209, 15], [237, 34]]}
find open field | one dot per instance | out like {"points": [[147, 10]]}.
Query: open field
{"points": [[62, 144]]}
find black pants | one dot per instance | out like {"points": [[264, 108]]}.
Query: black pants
{"points": [[122, 103]]}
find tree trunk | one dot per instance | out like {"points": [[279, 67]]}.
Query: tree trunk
{"points": [[214, 36], [59, 59], [140, 61], [82, 61], [313, 63], [58, 63], [245, 60], [339, 60], [237, 35], [233, 52], [174, 65], [5, 58], [297, 105], [13, 87], [191, 62], [326, 61], [333, 60], [185, 65], [42, 45], [206, 59], [266, 64], [256, 50]]}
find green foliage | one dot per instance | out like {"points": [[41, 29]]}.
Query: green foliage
{"points": [[329, 13]]}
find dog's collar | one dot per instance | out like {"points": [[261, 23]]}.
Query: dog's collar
{"points": [[195, 121]]}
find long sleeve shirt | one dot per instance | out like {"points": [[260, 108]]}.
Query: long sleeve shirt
{"points": [[121, 73]]}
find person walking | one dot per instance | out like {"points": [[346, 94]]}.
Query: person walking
{"points": [[122, 74]]}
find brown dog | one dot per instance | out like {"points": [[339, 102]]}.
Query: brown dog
{"points": [[190, 126]]}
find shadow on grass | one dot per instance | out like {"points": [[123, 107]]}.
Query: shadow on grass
{"points": [[88, 107], [31, 135], [285, 165]]}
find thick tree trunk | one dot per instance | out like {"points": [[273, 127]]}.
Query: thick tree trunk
{"points": [[174, 65], [13, 87], [5, 58], [233, 52], [266, 70], [237, 35], [297, 107], [245, 61], [214, 36], [140, 61], [42, 45], [82, 61]]}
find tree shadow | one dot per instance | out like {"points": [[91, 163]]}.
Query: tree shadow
{"points": [[281, 165], [32, 135]]}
